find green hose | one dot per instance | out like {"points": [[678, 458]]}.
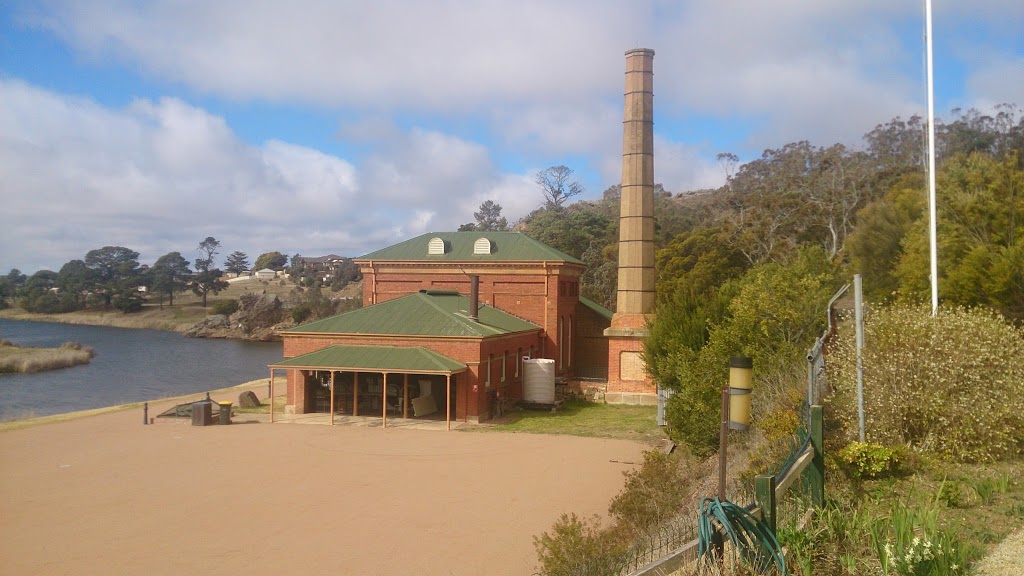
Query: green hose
{"points": [[749, 535]]}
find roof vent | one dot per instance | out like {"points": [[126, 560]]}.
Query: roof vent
{"points": [[436, 246], [482, 246]]}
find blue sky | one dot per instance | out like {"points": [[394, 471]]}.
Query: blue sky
{"points": [[321, 126]]}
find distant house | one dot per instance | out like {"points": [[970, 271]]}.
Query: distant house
{"points": [[266, 274]]}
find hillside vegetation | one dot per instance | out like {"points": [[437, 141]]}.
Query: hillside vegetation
{"points": [[748, 270]]}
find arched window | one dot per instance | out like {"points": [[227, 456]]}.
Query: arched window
{"points": [[482, 246], [561, 342], [436, 246], [568, 340]]}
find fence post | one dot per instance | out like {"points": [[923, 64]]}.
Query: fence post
{"points": [[815, 473], [764, 495]]}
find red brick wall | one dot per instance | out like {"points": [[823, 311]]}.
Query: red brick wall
{"points": [[531, 291], [591, 344], [616, 346]]}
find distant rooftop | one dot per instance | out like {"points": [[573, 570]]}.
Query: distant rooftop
{"points": [[466, 247]]}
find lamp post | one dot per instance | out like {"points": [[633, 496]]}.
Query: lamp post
{"points": [[735, 409]]}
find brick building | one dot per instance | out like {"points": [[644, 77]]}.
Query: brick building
{"points": [[419, 294]]}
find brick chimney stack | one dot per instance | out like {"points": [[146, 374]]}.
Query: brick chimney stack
{"points": [[628, 380]]}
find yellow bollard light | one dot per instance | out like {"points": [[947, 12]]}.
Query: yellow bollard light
{"points": [[741, 382]]}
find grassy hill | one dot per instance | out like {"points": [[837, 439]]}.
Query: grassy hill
{"points": [[186, 312]]}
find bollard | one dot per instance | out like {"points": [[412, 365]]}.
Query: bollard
{"points": [[145, 413]]}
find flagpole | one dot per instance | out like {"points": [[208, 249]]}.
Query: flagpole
{"points": [[932, 235]]}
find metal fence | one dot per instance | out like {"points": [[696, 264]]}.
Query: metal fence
{"points": [[816, 382]]}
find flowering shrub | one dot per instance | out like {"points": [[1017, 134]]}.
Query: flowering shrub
{"points": [[950, 384], [865, 460], [920, 558]]}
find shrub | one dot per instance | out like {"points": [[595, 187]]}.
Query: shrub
{"points": [[576, 547], [864, 460], [301, 312], [225, 307], [652, 494], [947, 385]]}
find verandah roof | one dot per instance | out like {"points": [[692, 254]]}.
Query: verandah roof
{"points": [[395, 359]]}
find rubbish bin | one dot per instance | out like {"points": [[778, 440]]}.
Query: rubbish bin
{"points": [[225, 412], [202, 413]]}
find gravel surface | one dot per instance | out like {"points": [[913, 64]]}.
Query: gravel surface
{"points": [[1006, 560]]}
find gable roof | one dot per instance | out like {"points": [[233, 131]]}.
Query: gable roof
{"points": [[427, 313], [411, 359], [506, 246], [606, 313]]}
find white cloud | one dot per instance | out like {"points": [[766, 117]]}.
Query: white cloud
{"points": [[161, 176], [435, 95], [544, 71], [680, 167]]}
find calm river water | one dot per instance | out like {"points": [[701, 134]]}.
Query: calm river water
{"points": [[129, 366]]}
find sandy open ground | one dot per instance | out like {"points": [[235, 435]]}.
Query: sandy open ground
{"points": [[107, 495]]}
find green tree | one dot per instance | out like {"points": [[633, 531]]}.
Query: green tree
{"points": [[979, 230], [489, 217], [556, 185], [875, 246], [207, 278], [39, 294], [772, 314], [697, 261], [207, 249], [115, 270], [169, 275], [236, 262], [6, 291], [16, 279], [271, 260], [74, 280], [571, 230], [207, 281]]}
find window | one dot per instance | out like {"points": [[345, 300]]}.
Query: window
{"points": [[519, 360], [436, 246], [561, 348], [504, 361], [568, 342], [487, 377], [482, 246]]}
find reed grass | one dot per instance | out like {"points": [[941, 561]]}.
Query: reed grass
{"points": [[23, 359]]}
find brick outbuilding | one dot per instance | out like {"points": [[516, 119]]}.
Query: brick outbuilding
{"points": [[418, 294]]}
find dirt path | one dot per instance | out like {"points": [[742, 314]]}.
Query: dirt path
{"points": [[105, 494]]}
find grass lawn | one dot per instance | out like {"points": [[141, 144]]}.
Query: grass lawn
{"points": [[582, 418]]}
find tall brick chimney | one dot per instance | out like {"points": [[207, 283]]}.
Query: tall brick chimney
{"points": [[628, 380]]}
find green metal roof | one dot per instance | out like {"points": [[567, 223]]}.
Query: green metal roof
{"points": [[410, 359], [506, 246], [431, 313], [596, 307]]}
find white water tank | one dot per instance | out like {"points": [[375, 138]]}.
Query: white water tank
{"points": [[539, 381]]}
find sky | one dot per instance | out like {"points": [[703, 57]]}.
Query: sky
{"points": [[335, 126]]}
